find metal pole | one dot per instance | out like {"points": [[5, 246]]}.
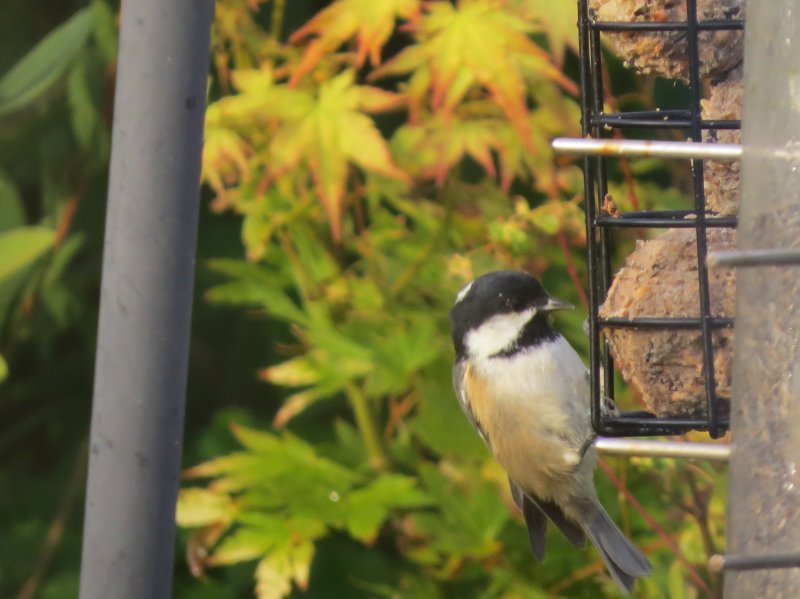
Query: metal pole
{"points": [[146, 300], [764, 484]]}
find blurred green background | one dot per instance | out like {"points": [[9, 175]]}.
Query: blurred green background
{"points": [[363, 160]]}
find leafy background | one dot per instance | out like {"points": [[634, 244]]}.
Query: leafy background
{"points": [[363, 160]]}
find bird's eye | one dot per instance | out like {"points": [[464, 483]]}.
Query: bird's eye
{"points": [[515, 303]]}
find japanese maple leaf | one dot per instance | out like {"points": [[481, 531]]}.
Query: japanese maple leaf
{"points": [[435, 146], [327, 131], [477, 44], [557, 19], [371, 22]]}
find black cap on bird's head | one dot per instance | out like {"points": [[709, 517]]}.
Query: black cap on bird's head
{"points": [[501, 312]]}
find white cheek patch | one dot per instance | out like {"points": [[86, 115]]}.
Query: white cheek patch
{"points": [[497, 334], [464, 291]]}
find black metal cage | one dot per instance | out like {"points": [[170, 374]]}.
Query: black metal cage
{"points": [[688, 121]]}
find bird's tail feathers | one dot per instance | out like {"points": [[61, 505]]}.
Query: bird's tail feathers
{"points": [[625, 562]]}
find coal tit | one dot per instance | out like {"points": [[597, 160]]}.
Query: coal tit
{"points": [[526, 391]]}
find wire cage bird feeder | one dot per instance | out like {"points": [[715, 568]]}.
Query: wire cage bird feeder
{"points": [[664, 319]]}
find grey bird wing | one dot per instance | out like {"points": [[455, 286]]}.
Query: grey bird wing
{"points": [[535, 520], [625, 562], [536, 512], [459, 371]]}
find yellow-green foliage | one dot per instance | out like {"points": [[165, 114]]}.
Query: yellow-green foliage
{"points": [[385, 154]]}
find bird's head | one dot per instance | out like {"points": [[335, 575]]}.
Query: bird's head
{"points": [[501, 312]]}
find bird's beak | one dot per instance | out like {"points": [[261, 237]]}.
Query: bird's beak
{"points": [[556, 304]]}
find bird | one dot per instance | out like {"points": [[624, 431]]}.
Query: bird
{"points": [[525, 390]]}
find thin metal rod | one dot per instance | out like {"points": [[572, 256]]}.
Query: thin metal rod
{"points": [[663, 449], [746, 258], [704, 292], [675, 119], [653, 220], [146, 300], [717, 563], [589, 175], [663, 322], [645, 26], [624, 426], [647, 148]]}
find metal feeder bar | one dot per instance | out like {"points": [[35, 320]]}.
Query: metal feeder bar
{"points": [[717, 563], [746, 258], [647, 148], [663, 449]]}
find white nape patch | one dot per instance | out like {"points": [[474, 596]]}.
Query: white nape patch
{"points": [[498, 333], [464, 291]]}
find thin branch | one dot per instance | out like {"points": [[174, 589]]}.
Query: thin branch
{"points": [[593, 568], [698, 580], [700, 513], [367, 427], [278, 9], [571, 269], [625, 165], [56, 530], [398, 409], [62, 230]]}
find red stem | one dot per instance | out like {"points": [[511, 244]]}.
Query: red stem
{"points": [[657, 528], [573, 272]]}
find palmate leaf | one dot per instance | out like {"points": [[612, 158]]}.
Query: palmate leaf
{"points": [[370, 22], [558, 19], [276, 572], [326, 132], [271, 458], [465, 525], [433, 147], [199, 506], [366, 508], [274, 499], [477, 44], [224, 160]]}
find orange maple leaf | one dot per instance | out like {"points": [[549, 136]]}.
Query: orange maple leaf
{"points": [[371, 22], [476, 45]]}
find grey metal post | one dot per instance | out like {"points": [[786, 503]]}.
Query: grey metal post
{"points": [[146, 300], [764, 488]]}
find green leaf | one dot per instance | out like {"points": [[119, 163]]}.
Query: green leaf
{"points": [[246, 544], [84, 116], [558, 20], [295, 372], [253, 284], [441, 424], [12, 212], [327, 132], [41, 68], [547, 218], [21, 246], [105, 29], [368, 507], [469, 519], [201, 507], [274, 576], [3, 369]]}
